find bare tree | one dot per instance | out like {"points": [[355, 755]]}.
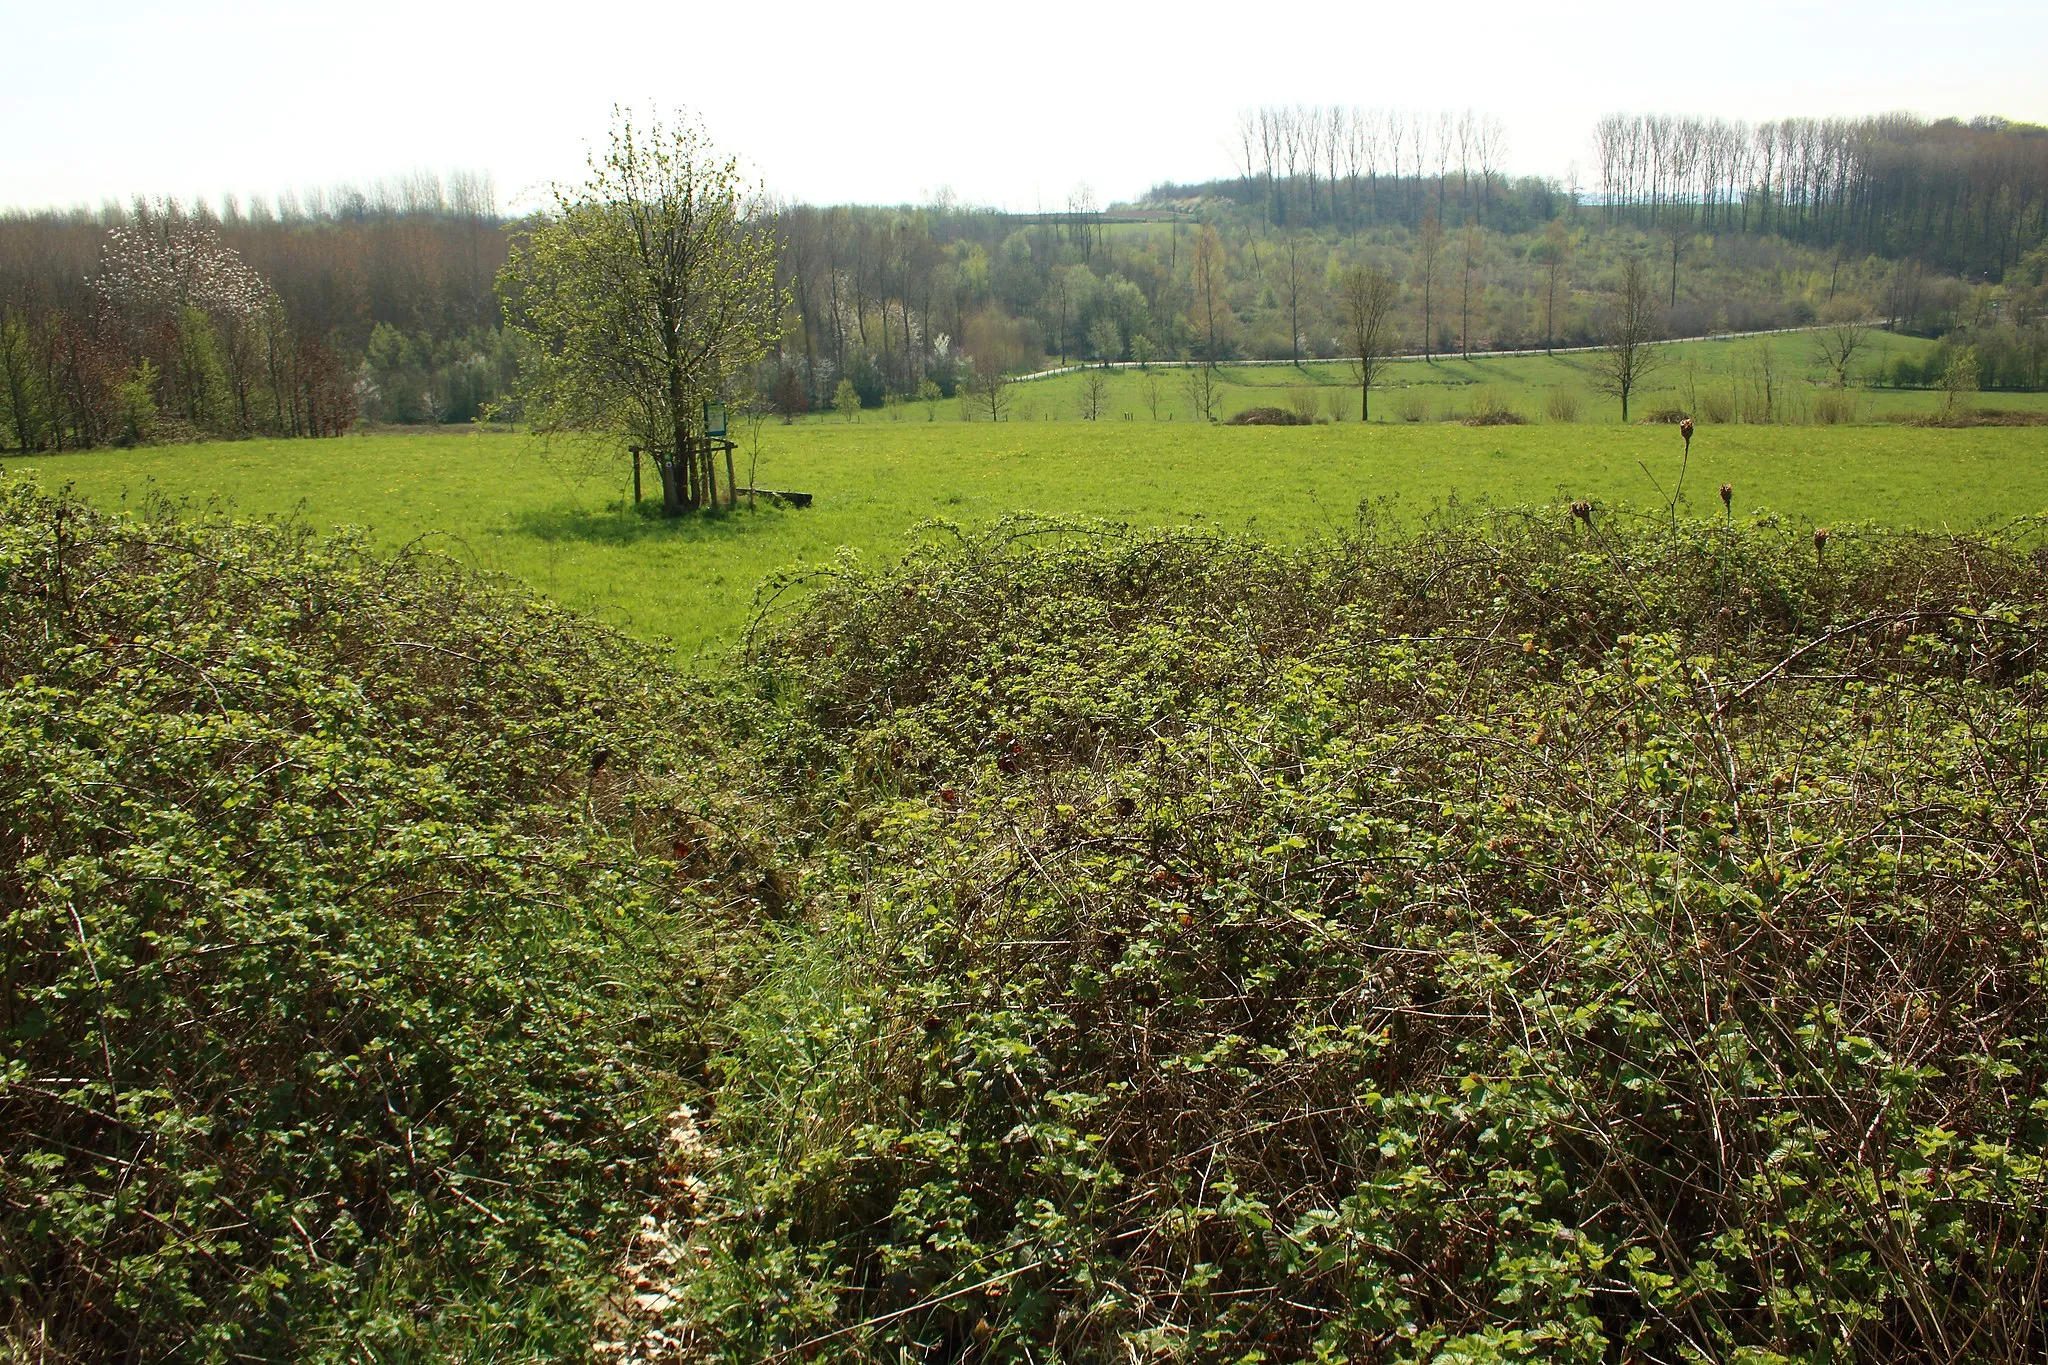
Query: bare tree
{"points": [[1629, 353], [1368, 296], [1556, 254], [1470, 249], [1845, 334], [1679, 232], [988, 389], [1210, 306], [1429, 246], [1094, 394], [1291, 285], [1203, 387], [1492, 151]]}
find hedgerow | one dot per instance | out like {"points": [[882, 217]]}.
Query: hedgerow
{"points": [[353, 938], [1544, 937]]}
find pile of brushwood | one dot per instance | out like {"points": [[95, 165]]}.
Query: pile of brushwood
{"points": [[1535, 938], [349, 945], [1540, 936]]}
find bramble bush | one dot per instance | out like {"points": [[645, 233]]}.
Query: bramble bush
{"points": [[352, 939], [1546, 937]]}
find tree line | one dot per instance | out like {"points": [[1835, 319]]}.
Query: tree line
{"points": [[1965, 197], [379, 304], [297, 318]]}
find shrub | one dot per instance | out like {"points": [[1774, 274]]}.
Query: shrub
{"points": [[1304, 402], [135, 415], [1491, 409], [1268, 417], [1615, 943], [1562, 405], [1958, 381], [1717, 406], [1413, 406], [324, 910], [1834, 407]]}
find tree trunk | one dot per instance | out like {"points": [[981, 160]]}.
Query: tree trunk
{"points": [[671, 486]]}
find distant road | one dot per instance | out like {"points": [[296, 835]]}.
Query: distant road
{"points": [[1440, 355]]}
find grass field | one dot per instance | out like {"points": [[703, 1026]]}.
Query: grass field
{"points": [[498, 502], [1415, 390]]}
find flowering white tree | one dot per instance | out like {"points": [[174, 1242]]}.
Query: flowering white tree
{"points": [[166, 261], [192, 303]]}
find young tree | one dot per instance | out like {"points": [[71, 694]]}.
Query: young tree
{"points": [[1837, 344], [1094, 394], [640, 295], [988, 389], [1201, 384], [1958, 381], [1629, 354], [1470, 249], [1555, 252], [1429, 246], [1210, 306], [1292, 287], [1678, 231], [1368, 298], [846, 401]]}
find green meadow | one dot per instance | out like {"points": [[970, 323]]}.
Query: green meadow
{"points": [[567, 525], [1693, 376]]}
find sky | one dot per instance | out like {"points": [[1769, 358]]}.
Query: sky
{"points": [[1006, 105]]}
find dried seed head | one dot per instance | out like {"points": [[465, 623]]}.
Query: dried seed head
{"points": [[1820, 539], [1583, 510], [1728, 495]]}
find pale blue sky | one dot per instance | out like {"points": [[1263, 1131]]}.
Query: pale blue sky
{"points": [[1009, 104]]}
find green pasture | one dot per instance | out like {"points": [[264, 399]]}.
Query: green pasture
{"points": [[501, 502], [1445, 388]]}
